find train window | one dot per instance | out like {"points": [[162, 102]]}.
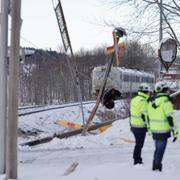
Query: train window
{"points": [[129, 78], [147, 79], [126, 77], [143, 79], [137, 79], [133, 78], [151, 80]]}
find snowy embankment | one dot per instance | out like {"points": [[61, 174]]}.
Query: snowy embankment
{"points": [[106, 156]]}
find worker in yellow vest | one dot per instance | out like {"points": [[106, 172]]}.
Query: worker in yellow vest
{"points": [[161, 121], [138, 120]]}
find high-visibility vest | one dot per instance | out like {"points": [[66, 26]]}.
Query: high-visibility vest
{"points": [[159, 109], [138, 107]]}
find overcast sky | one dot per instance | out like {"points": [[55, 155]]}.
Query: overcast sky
{"points": [[84, 20]]}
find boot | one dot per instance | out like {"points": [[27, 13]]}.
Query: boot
{"points": [[159, 167], [156, 166], [139, 161]]}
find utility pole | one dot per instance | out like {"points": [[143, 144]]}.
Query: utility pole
{"points": [[161, 22], [11, 160], [3, 81], [160, 31]]}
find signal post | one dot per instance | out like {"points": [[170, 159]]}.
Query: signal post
{"points": [[117, 34]]}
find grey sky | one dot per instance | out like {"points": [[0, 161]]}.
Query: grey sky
{"points": [[40, 29]]}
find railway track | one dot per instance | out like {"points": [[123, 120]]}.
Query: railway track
{"points": [[30, 107], [108, 119], [36, 109]]}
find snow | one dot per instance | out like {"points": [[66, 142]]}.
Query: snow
{"points": [[105, 156]]}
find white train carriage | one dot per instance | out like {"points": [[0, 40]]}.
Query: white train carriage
{"points": [[122, 79]]}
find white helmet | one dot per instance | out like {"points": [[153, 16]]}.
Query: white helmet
{"points": [[144, 87], [159, 86]]}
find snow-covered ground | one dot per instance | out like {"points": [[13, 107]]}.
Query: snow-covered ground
{"points": [[106, 156]]}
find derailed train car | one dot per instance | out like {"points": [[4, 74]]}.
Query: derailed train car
{"points": [[124, 80]]}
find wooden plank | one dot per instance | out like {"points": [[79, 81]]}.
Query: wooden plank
{"points": [[71, 168], [69, 124], [66, 134]]}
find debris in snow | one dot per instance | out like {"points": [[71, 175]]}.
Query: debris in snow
{"points": [[71, 168]]}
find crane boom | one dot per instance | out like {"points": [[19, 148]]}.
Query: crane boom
{"points": [[67, 47]]}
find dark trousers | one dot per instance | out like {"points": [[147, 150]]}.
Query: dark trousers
{"points": [[160, 146], [139, 142]]}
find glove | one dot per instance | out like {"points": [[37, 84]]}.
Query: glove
{"points": [[175, 134], [174, 139]]}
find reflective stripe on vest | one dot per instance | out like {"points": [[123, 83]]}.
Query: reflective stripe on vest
{"points": [[138, 107], [160, 132], [158, 120], [159, 125], [158, 114], [138, 126]]}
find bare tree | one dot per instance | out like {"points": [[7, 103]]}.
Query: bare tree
{"points": [[143, 20], [45, 79]]}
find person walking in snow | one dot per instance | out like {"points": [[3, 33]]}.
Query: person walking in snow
{"points": [[161, 122], [138, 120]]}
